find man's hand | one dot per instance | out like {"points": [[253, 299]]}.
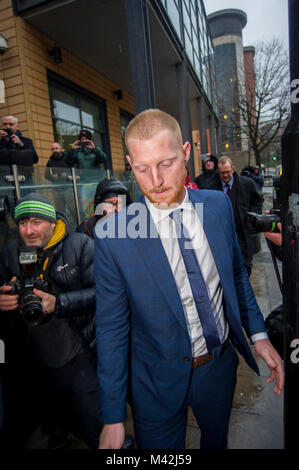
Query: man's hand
{"points": [[90, 144], [48, 301], [112, 436], [266, 351], [16, 140], [76, 145], [7, 300], [2, 133]]}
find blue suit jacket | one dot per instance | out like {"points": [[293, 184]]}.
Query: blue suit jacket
{"points": [[142, 335]]}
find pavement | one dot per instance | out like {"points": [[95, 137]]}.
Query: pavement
{"points": [[257, 414]]}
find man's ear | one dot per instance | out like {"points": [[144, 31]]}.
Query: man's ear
{"points": [[130, 161], [233, 168], [186, 151]]}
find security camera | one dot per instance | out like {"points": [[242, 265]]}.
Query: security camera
{"points": [[3, 44]]}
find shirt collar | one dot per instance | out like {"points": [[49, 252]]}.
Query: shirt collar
{"points": [[160, 214], [230, 182]]}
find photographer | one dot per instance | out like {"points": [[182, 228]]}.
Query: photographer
{"points": [[86, 156], [18, 150], [84, 153], [47, 305], [110, 197], [11, 140], [254, 174]]}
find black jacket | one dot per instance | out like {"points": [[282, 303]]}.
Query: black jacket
{"points": [[69, 272], [14, 154], [56, 165], [245, 197], [206, 177]]}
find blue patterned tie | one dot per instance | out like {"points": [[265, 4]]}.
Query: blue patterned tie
{"points": [[197, 283]]}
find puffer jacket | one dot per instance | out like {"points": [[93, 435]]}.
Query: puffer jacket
{"points": [[68, 262]]}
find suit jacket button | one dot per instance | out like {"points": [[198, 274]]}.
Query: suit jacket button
{"points": [[186, 359]]}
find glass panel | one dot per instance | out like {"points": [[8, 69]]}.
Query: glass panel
{"points": [[90, 114], [65, 133], [59, 191], [188, 46], [174, 16], [64, 105], [186, 18]]}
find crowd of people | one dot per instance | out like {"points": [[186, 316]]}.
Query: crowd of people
{"points": [[144, 303]]}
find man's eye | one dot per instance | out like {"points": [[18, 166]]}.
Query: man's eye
{"points": [[142, 170], [166, 163]]}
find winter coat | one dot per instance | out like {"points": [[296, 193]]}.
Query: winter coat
{"points": [[69, 271], [86, 159], [245, 197]]}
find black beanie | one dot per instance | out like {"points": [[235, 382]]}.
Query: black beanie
{"points": [[35, 205], [85, 133], [109, 188]]}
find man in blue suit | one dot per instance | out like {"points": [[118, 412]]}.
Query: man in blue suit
{"points": [[172, 297]]}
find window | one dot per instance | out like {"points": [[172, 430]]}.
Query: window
{"points": [[73, 109]]}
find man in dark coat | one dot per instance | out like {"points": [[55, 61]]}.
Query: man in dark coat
{"points": [[209, 167], [18, 150], [245, 196], [14, 148]]}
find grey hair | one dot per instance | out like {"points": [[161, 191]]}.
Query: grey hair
{"points": [[10, 115]]}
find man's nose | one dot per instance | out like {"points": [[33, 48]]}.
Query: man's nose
{"points": [[28, 229], [157, 179]]}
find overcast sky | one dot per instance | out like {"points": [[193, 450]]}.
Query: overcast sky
{"points": [[265, 18]]}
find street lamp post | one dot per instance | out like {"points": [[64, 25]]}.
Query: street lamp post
{"points": [[290, 224]]}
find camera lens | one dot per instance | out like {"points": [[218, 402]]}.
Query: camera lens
{"points": [[32, 310]]}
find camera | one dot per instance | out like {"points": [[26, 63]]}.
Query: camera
{"points": [[256, 223], [7, 138], [84, 144], [30, 304]]}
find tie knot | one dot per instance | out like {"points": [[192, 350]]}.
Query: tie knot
{"points": [[176, 216]]}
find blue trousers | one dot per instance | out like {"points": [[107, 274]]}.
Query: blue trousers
{"points": [[210, 396]]}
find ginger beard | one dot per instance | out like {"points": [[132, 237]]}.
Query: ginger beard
{"points": [[166, 194]]}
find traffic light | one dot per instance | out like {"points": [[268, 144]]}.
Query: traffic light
{"points": [[274, 157]]}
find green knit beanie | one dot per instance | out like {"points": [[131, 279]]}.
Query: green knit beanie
{"points": [[35, 205]]}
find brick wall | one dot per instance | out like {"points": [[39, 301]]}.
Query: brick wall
{"points": [[24, 71]]}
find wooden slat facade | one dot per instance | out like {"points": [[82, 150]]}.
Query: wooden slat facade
{"points": [[24, 71]]}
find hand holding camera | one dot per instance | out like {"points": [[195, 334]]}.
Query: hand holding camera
{"points": [[8, 301]]}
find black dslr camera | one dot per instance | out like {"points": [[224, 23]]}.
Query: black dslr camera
{"points": [[30, 304], [7, 138], [256, 223]]}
